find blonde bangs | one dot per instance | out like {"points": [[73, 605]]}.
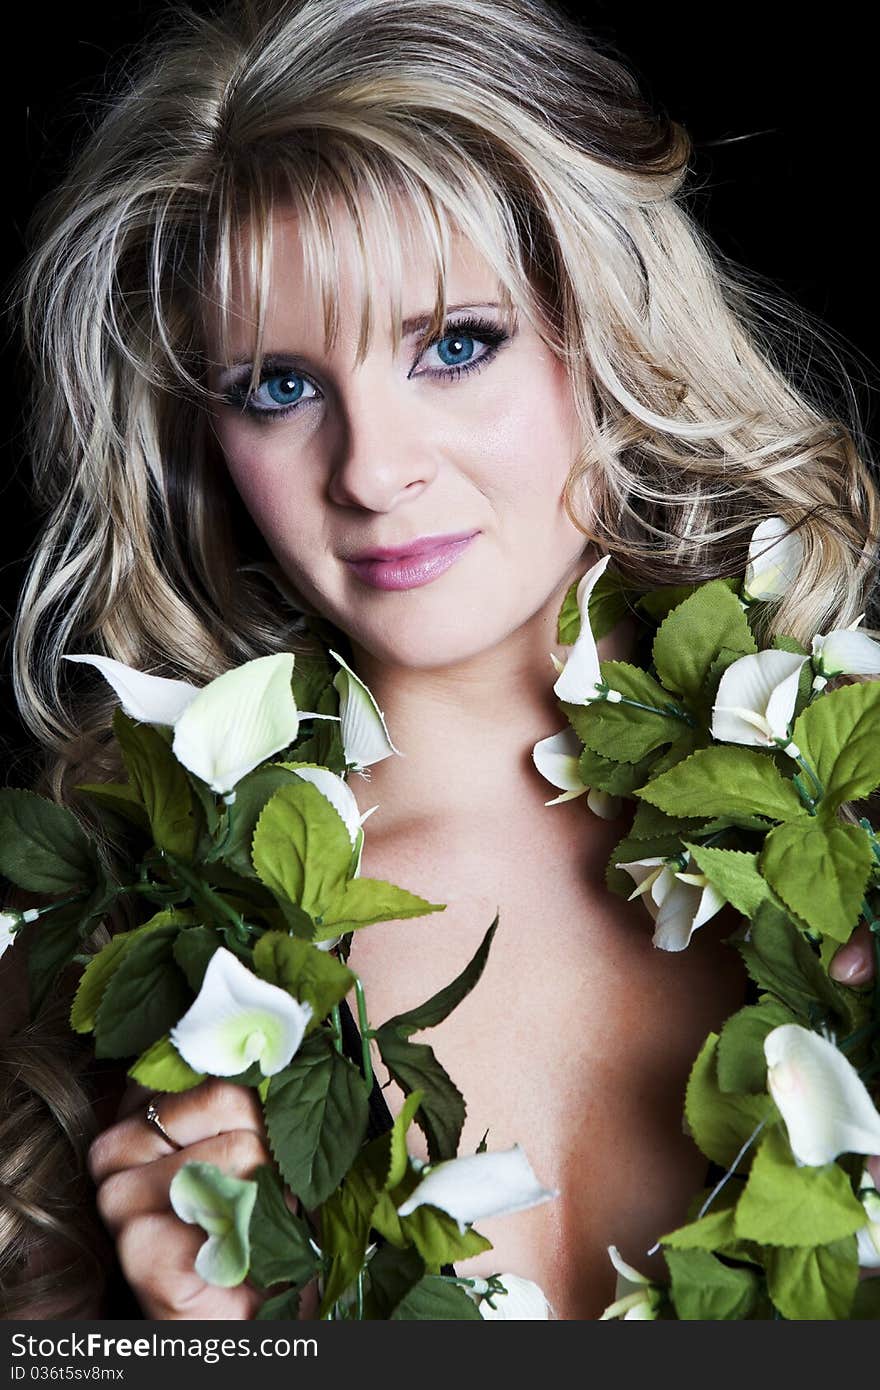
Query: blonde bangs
{"points": [[349, 196]]}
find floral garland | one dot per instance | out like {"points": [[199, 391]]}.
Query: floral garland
{"points": [[739, 760]]}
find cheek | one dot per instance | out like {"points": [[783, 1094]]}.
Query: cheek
{"points": [[526, 438], [261, 474]]}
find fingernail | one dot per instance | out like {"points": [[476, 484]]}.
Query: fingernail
{"points": [[847, 964]]}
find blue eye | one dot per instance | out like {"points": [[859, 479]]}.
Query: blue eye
{"points": [[460, 349], [282, 390], [285, 390]]}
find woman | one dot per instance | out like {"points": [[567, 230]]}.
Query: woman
{"points": [[338, 279]]}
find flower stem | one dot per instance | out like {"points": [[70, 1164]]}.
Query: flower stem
{"points": [[671, 710], [337, 1027], [217, 850], [365, 1032]]}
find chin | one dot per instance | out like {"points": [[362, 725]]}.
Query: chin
{"points": [[423, 645]]}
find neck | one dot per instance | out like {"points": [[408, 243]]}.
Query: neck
{"points": [[467, 730]]}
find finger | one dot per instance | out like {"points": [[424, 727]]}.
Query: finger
{"points": [[134, 1192], [157, 1254], [873, 1167], [853, 964], [214, 1107], [134, 1099]]}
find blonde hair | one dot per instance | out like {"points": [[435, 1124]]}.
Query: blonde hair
{"points": [[697, 385]]}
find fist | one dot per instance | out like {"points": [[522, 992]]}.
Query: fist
{"points": [[132, 1167]]}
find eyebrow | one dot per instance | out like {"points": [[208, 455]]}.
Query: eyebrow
{"points": [[415, 324]]}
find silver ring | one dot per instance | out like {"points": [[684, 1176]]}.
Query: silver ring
{"points": [[153, 1118]]}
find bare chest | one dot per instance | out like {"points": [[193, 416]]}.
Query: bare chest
{"points": [[575, 1043]]}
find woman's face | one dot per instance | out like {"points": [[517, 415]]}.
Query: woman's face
{"points": [[472, 432]]}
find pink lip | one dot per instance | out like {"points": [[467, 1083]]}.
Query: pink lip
{"points": [[410, 571]]}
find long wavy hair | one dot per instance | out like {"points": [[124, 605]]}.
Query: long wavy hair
{"points": [[708, 400]]}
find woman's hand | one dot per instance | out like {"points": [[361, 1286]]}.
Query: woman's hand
{"points": [[132, 1166], [853, 964]]}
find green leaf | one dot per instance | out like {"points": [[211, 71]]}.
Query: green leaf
{"points": [[608, 604], [160, 783], [719, 1121], [251, 795], [101, 969], [705, 1289], [433, 1300], [301, 848], [414, 1067], [51, 942], [365, 900], [313, 977], [839, 735], [714, 1230], [280, 1247], [42, 845], [649, 821], [780, 960], [284, 1307], [741, 1063], [119, 797], [393, 1274], [783, 643], [734, 873], [618, 779], [436, 1236], [658, 602], [690, 638], [814, 1285], [347, 1215], [316, 1117], [629, 732], [147, 995], [193, 950], [715, 781], [161, 1068], [441, 1004], [820, 871], [313, 673], [866, 1306], [345, 1230], [784, 1204]]}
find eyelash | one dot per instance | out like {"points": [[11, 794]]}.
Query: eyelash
{"points": [[479, 329]]}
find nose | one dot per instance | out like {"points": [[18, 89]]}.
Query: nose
{"points": [[381, 453]]}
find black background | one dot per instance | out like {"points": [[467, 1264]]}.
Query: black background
{"points": [[781, 110]]}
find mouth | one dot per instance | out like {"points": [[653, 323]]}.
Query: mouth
{"points": [[410, 570]]}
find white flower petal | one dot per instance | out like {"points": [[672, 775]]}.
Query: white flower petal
{"points": [[868, 1246], [479, 1185], [674, 923], [604, 804], [9, 922], [757, 692], [567, 796], [238, 720], [581, 670], [238, 1019], [556, 758], [825, 1105], [844, 652], [148, 699], [626, 1271], [643, 872], [774, 560], [365, 736], [523, 1300]]}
